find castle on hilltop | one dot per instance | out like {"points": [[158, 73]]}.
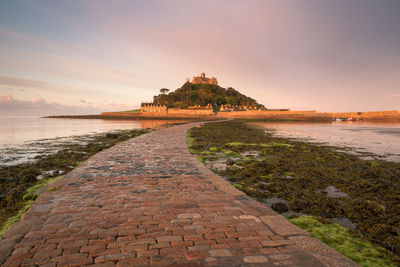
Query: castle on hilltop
{"points": [[203, 79]]}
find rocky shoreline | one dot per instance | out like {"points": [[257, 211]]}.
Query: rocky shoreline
{"points": [[132, 116], [296, 178]]}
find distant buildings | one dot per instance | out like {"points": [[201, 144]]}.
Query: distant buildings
{"points": [[156, 110], [203, 79], [151, 107], [229, 108]]}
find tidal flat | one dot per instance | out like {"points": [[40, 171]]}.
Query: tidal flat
{"points": [[20, 183], [297, 178]]}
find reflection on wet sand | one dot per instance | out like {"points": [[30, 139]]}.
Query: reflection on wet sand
{"points": [[24, 138], [382, 139], [158, 123]]}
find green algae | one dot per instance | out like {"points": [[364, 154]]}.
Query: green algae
{"points": [[271, 144], [344, 241], [238, 186], [17, 217], [28, 199], [298, 172], [230, 153]]}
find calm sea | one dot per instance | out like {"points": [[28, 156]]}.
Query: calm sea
{"points": [[381, 139], [22, 138]]}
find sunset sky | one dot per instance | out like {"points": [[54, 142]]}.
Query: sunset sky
{"points": [[82, 57]]}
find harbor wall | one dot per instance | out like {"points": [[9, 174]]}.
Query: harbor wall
{"points": [[389, 115], [365, 115]]}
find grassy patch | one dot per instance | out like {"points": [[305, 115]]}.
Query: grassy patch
{"points": [[344, 241], [131, 111]]}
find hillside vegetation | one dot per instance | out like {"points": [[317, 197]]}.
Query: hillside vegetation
{"points": [[203, 94]]}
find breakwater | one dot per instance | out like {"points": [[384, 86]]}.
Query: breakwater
{"points": [[384, 116]]}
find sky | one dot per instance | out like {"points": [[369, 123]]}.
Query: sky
{"points": [[89, 56]]}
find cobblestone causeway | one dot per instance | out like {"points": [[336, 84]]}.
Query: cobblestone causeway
{"points": [[148, 201]]}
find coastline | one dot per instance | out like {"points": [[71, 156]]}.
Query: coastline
{"points": [[296, 178], [309, 116], [132, 116]]}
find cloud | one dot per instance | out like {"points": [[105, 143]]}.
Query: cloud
{"points": [[40, 107], [22, 82], [83, 101], [391, 95]]}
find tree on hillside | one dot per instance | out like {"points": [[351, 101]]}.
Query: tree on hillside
{"points": [[203, 94], [164, 91]]}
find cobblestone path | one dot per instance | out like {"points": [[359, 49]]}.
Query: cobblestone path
{"points": [[147, 201]]}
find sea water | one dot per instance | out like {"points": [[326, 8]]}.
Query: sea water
{"points": [[23, 138], [380, 139]]}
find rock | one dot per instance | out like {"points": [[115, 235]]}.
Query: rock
{"points": [[280, 207], [111, 135], [287, 177], [334, 192]]}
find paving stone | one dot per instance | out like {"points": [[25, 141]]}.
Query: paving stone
{"points": [[105, 264], [72, 260], [255, 259], [219, 253], [149, 201], [160, 245], [133, 262], [170, 238], [115, 257], [193, 255], [199, 247], [276, 243], [189, 215]]}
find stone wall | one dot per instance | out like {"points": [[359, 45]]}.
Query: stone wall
{"points": [[121, 114], [190, 112], [258, 114], [389, 114], [269, 113], [366, 115]]}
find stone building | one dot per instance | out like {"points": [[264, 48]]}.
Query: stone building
{"points": [[151, 107], [203, 79], [237, 108], [198, 107], [156, 110]]}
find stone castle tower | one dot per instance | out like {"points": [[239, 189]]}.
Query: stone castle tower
{"points": [[203, 79]]}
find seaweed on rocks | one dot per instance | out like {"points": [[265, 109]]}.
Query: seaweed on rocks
{"points": [[318, 180]]}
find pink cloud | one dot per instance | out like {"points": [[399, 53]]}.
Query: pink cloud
{"points": [[40, 107]]}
